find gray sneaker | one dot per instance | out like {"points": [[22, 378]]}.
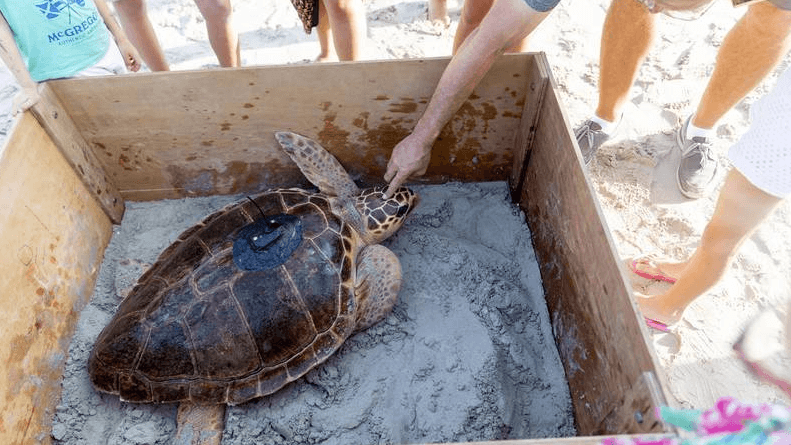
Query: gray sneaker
{"points": [[698, 167], [590, 137]]}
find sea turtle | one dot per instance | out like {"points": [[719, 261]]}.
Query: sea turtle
{"points": [[255, 295]]}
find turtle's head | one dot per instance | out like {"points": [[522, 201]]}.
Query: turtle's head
{"points": [[381, 216]]}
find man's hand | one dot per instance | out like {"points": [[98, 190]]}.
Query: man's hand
{"points": [[410, 157]]}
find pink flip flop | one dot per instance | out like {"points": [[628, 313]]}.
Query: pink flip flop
{"points": [[664, 328], [637, 266], [759, 371], [758, 367], [655, 324]]}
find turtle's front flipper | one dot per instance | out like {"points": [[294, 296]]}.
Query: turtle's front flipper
{"points": [[377, 286], [199, 424], [318, 165]]}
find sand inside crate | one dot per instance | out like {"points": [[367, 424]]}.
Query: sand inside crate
{"points": [[466, 355]]}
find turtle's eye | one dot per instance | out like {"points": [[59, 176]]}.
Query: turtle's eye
{"points": [[402, 210]]}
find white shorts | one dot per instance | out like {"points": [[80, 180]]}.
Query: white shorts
{"points": [[111, 63], [763, 154]]}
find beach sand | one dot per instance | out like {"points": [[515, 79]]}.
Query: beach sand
{"points": [[633, 176]]}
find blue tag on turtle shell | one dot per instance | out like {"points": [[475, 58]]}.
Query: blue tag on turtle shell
{"points": [[267, 242]]}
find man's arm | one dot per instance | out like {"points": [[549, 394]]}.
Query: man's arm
{"points": [[131, 57], [13, 59], [507, 22]]}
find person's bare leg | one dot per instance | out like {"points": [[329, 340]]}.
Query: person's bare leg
{"points": [[134, 19], [222, 34], [438, 12], [750, 50], [740, 208], [324, 33], [625, 40], [347, 20], [520, 47], [472, 12], [668, 269], [765, 355]]}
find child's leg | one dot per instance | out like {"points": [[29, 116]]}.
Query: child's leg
{"points": [[134, 18], [438, 11], [324, 32], [472, 13], [741, 207], [348, 23], [222, 34]]}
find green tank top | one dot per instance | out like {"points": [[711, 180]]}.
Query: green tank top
{"points": [[57, 38]]}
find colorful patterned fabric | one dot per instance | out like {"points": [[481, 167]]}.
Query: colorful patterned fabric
{"points": [[729, 422], [308, 12]]}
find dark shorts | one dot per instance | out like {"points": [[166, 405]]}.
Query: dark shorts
{"points": [[782, 4], [546, 5]]}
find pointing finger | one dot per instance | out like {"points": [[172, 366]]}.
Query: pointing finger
{"points": [[395, 184], [391, 171]]}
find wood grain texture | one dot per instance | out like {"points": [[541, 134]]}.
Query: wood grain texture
{"points": [[166, 135], [52, 237], [590, 440], [538, 80], [601, 339], [60, 127]]}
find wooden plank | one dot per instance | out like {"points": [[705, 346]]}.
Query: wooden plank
{"points": [[637, 412], [165, 135], [601, 339], [538, 79], [52, 236], [61, 129], [589, 440]]}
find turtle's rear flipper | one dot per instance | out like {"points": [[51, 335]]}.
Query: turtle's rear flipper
{"points": [[199, 424], [318, 165]]}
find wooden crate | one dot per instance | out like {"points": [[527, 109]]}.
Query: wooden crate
{"points": [[91, 144]]}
